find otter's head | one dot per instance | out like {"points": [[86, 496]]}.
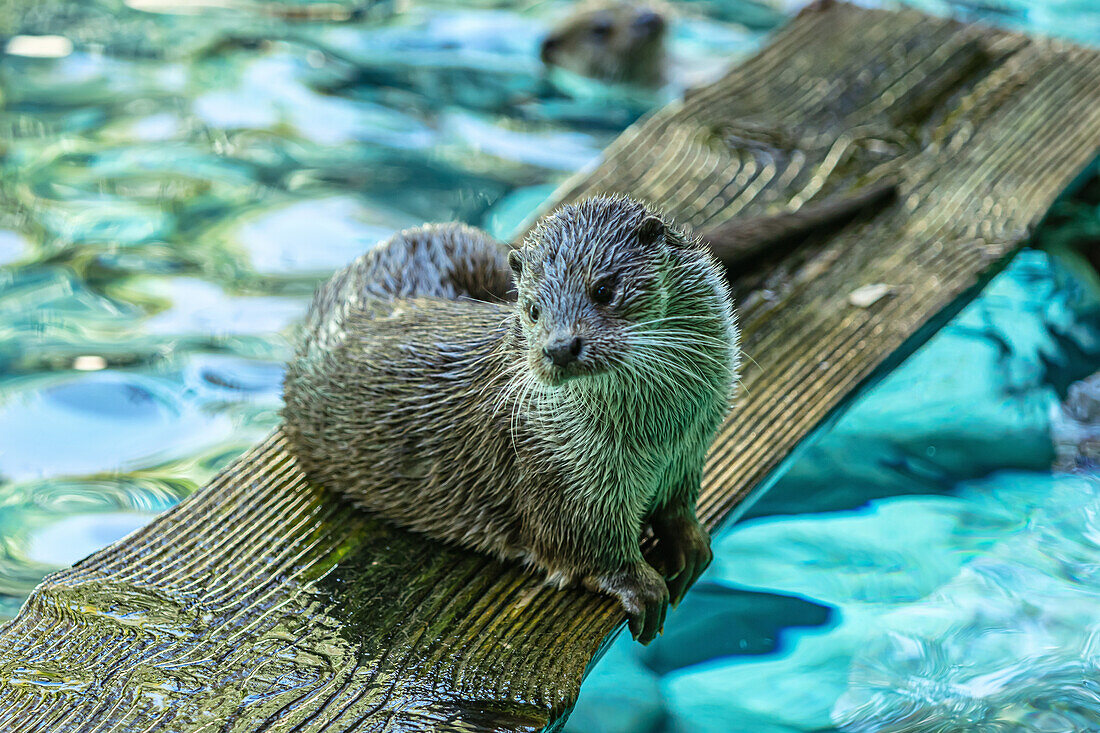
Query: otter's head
{"points": [[621, 42], [588, 277]]}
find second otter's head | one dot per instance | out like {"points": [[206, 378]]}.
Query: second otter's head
{"points": [[601, 281], [620, 42]]}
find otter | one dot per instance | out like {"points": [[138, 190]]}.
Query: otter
{"points": [[619, 43], [549, 404], [543, 404]]}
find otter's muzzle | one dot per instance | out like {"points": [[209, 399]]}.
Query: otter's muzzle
{"points": [[563, 350]]}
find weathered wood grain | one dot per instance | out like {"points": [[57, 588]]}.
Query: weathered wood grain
{"points": [[262, 604]]}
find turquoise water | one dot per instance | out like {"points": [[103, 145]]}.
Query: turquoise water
{"points": [[175, 180], [929, 564], [173, 184]]}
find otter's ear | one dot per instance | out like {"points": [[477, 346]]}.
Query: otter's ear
{"points": [[515, 261], [549, 46], [650, 230]]}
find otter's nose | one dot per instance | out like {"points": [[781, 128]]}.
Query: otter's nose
{"points": [[563, 350]]}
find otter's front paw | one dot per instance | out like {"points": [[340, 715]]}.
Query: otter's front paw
{"points": [[683, 553], [643, 594]]}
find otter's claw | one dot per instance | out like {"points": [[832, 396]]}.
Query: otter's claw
{"points": [[683, 553], [644, 596]]}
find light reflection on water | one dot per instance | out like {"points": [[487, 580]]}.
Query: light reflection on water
{"points": [[175, 184], [176, 178], [173, 188]]}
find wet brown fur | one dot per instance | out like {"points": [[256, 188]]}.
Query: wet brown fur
{"points": [[422, 391]]}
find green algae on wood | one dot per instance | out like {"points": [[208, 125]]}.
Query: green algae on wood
{"points": [[261, 603]]}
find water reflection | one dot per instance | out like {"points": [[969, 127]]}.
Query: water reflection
{"points": [[110, 421], [177, 177]]}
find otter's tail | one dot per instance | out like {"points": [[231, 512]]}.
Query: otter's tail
{"points": [[738, 240]]}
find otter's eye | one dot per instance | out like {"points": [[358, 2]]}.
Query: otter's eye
{"points": [[602, 27], [603, 291], [532, 311]]}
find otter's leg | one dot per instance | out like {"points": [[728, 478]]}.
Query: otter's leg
{"points": [[610, 541], [641, 591], [583, 536], [683, 550]]}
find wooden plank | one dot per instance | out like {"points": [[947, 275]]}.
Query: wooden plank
{"points": [[262, 604]]}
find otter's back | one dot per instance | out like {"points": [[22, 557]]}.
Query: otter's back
{"points": [[396, 360], [450, 261]]}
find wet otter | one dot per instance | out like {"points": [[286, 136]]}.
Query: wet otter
{"points": [[621, 43], [542, 404]]}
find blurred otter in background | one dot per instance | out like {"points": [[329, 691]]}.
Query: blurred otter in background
{"points": [[620, 43]]}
